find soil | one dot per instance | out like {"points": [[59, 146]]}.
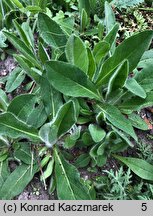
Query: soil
{"points": [[7, 66]]}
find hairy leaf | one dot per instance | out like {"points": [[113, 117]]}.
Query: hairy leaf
{"points": [[76, 53], [70, 80], [12, 127], [68, 177], [17, 181], [51, 32], [131, 49], [63, 121], [140, 167], [116, 118]]}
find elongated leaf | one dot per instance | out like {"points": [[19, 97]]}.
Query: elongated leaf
{"points": [[4, 172], [118, 120], [12, 127], [92, 64], [70, 80], [131, 49], [76, 53], [43, 55], [17, 181], [123, 136], [47, 95], [28, 32], [135, 88], [84, 20], [49, 170], [84, 4], [63, 121], [100, 50], [14, 79], [136, 103], [109, 17], [112, 34], [68, 177], [118, 78], [4, 102], [51, 32], [26, 65], [17, 3], [21, 33], [19, 44], [140, 167], [137, 121], [145, 77]]}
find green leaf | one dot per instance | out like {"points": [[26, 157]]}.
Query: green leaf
{"points": [[112, 34], [21, 33], [136, 103], [84, 5], [24, 153], [145, 77], [116, 118], [26, 65], [140, 167], [27, 108], [4, 172], [12, 127], [52, 99], [131, 49], [119, 77], [70, 80], [17, 3], [137, 121], [109, 17], [84, 20], [49, 170], [22, 47], [2, 40], [33, 9], [17, 181], [123, 136], [76, 53], [14, 79], [43, 55], [51, 32], [68, 177], [72, 138], [135, 88], [21, 106], [63, 121], [82, 161], [92, 64], [4, 102], [66, 24], [28, 32], [100, 50], [97, 133]]}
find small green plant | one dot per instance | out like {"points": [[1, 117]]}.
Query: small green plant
{"points": [[120, 185], [120, 4]]}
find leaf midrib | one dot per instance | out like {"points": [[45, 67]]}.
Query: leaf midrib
{"points": [[66, 177], [17, 129]]}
